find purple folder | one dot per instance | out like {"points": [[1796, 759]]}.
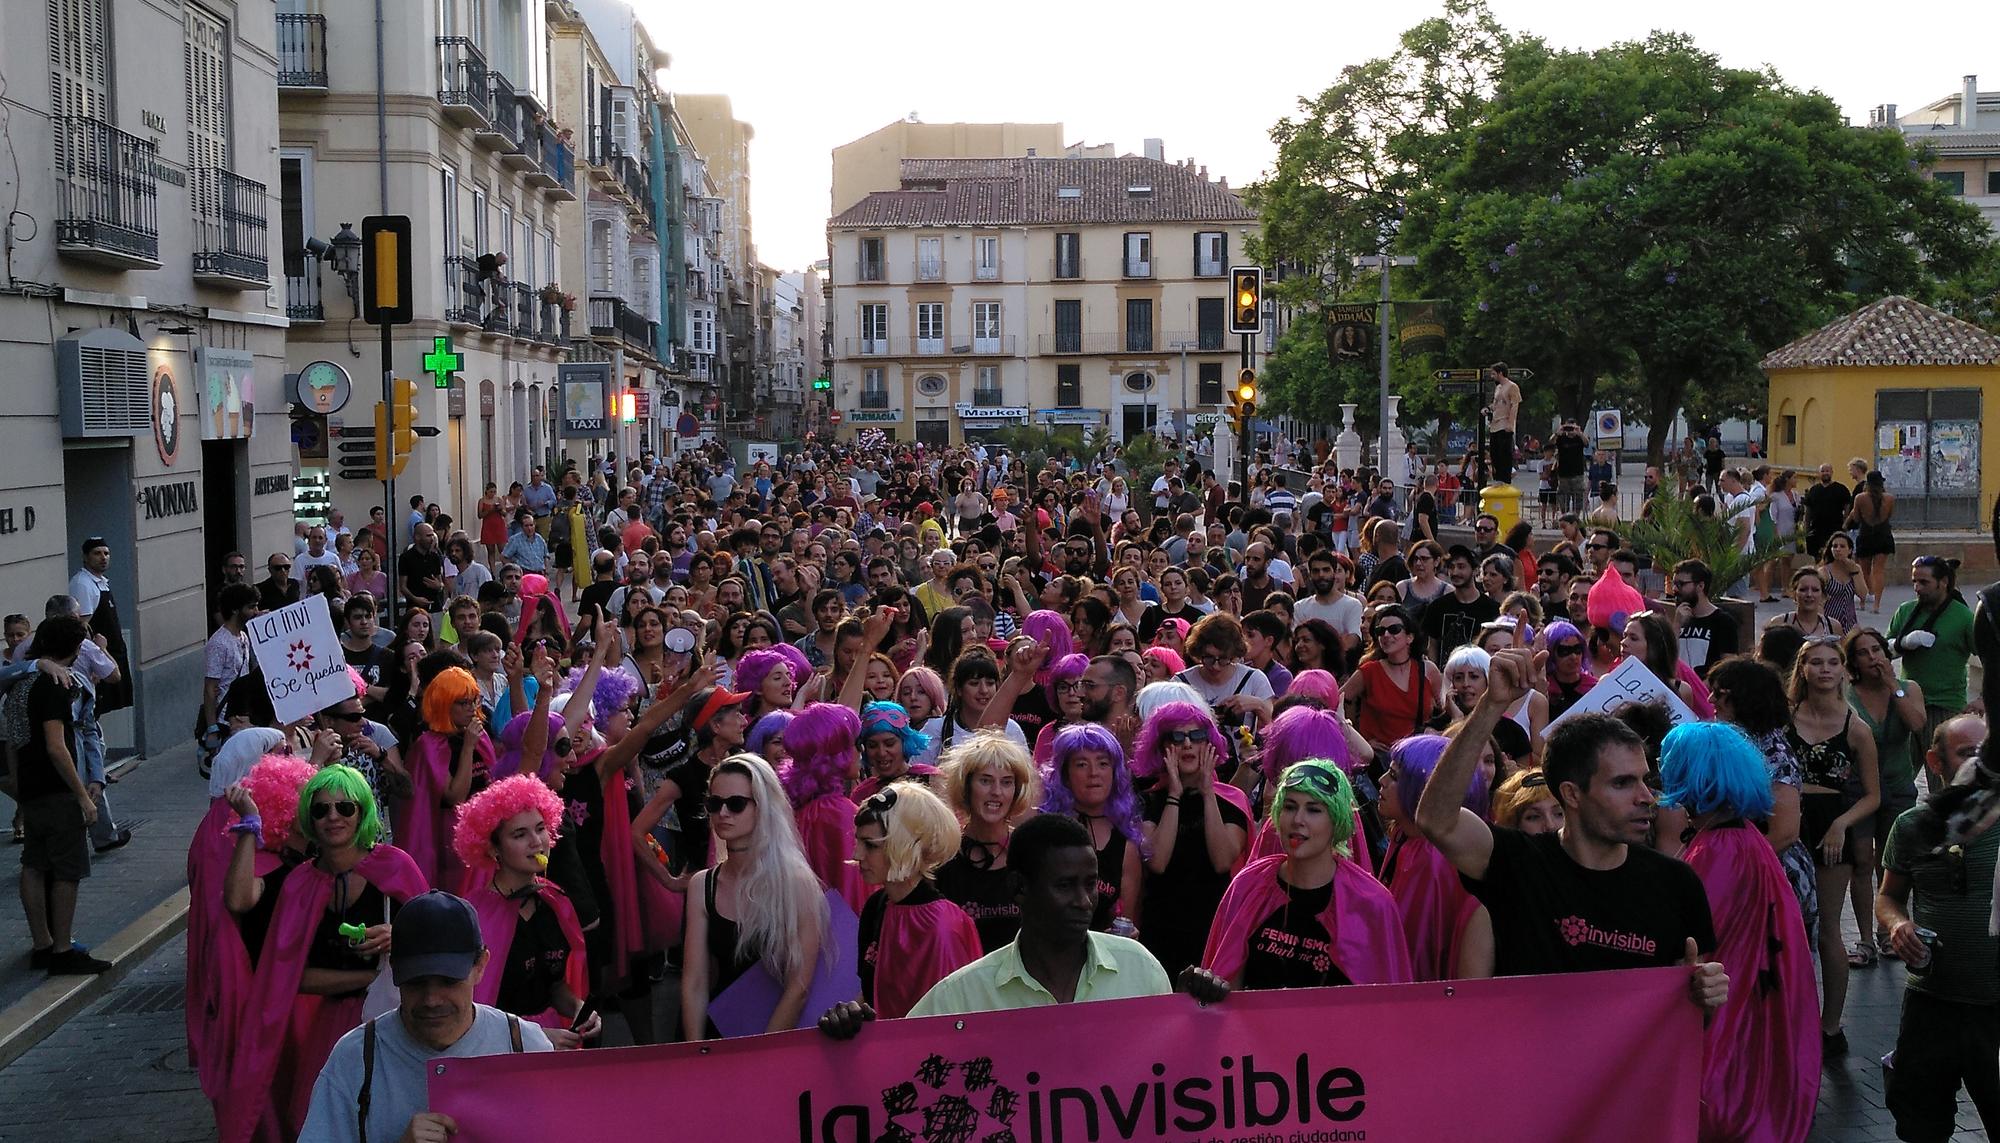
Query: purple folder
{"points": [[745, 1007]]}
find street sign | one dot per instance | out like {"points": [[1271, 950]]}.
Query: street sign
{"points": [[354, 444], [1459, 388], [1475, 374], [1211, 419], [427, 430], [834, 416]]}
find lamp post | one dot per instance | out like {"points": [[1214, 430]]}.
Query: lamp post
{"points": [[1384, 263], [343, 253], [1186, 432]]}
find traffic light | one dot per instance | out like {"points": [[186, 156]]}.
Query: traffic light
{"points": [[1243, 399], [1246, 299], [385, 269], [822, 384], [392, 450], [628, 407]]}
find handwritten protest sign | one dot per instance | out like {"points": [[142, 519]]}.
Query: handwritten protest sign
{"points": [[304, 671], [1628, 682]]}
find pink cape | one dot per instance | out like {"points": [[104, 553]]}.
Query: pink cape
{"points": [[920, 945], [1434, 904], [869, 786], [497, 920], [1366, 930], [1761, 1074], [278, 1025], [826, 829], [644, 913], [218, 963], [423, 823]]}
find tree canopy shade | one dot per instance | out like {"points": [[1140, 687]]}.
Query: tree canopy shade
{"points": [[1638, 217]]}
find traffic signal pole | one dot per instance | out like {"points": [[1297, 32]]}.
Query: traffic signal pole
{"points": [[389, 479], [1245, 433]]}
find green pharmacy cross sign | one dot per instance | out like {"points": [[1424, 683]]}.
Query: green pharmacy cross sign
{"points": [[441, 362]]}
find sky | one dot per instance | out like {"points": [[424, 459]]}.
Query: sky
{"points": [[810, 77]]}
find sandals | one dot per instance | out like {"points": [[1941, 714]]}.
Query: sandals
{"points": [[1887, 948], [1862, 955]]}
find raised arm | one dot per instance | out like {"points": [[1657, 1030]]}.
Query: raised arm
{"points": [[1459, 833]]}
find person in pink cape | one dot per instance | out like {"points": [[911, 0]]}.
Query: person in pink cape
{"points": [[218, 961], [1436, 907], [452, 750], [328, 925], [825, 762], [910, 936], [1761, 1072], [1299, 733], [504, 836], [1311, 916]]}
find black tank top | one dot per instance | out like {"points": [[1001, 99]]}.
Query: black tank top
{"points": [[1829, 763], [723, 938]]}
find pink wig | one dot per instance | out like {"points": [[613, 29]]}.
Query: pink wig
{"points": [[756, 666], [802, 668], [1051, 630], [1299, 734], [1318, 685], [822, 742], [1167, 656], [1147, 758], [535, 592], [360, 684], [483, 816], [929, 683], [1060, 671], [274, 784], [511, 736]]}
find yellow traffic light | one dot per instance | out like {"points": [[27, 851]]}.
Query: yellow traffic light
{"points": [[393, 449], [1243, 399], [1246, 296]]}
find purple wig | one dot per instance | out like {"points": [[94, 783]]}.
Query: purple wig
{"points": [[1301, 733], [509, 762], [615, 688], [754, 667], [1064, 669], [1415, 757], [1051, 630], [772, 725], [1123, 806], [802, 668], [1557, 632], [821, 740], [1148, 760]]}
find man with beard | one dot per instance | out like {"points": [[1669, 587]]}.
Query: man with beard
{"points": [[1329, 601], [421, 566], [1825, 506], [1454, 618], [235, 569], [1110, 697], [1707, 633]]}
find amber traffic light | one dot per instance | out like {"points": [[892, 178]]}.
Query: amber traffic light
{"points": [[1246, 299]]}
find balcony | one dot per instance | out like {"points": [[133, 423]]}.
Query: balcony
{"points": [[231, 224], [108, 195], [302, 291], [874, 398], [988, 398], [1065, 269], [632, 175], [611, 317], [302, 53], [524, 311], [1151, 342], [503, 131], [553, 328], [555, 169], [1002, 346], [929, 270], [464, 294], [462, 87]]}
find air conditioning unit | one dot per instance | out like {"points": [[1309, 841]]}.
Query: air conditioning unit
{"points": [[103, 384]]}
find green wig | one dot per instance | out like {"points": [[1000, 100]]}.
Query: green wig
{"points": [[349, 785], [1323, 782]]}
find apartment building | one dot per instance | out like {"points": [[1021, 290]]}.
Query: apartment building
{"points": [[874, 162], [1074, 291], [1962, 131], [469, 140], [724, 141], [141, 326]]}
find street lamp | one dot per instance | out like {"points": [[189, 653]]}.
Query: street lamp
{"points": [[343, 254], [1385, 263], [1187, 414]]}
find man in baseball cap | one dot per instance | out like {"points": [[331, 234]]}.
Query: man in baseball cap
{"points": [[379, 1070]]}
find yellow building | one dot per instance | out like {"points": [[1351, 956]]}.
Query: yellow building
{"points": [[1904, 387]]}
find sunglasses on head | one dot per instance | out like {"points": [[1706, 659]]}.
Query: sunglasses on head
{"points": [[1534, 779], [735, 803], [344, 808]]}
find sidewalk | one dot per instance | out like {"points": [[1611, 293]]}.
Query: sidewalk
{"points": [[119, 908]]}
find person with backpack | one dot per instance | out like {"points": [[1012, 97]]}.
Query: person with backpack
{"points": [[375, 1083]]}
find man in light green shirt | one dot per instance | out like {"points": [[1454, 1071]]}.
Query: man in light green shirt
{"points": [[1056, 958], [1933, 636]]}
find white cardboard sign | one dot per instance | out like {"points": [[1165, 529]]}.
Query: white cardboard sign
{"points": [[1628, 682], [296, 648]]}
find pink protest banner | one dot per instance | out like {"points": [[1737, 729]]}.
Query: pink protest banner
{"points": [[1613, 1055]]}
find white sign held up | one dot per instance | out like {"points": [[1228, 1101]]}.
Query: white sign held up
{"points": [[296, 648], [1628, 682]]}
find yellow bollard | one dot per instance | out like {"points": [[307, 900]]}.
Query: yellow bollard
{"points": [[1504, 502]]}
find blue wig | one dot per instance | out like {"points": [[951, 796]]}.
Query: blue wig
{"points": [[1707, 766], [1415, 757], [1123, 807], [891, 718]]}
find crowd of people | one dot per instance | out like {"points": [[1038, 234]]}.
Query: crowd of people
{"points": [[1047, 745]]}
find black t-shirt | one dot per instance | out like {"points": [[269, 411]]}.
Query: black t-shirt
{"points": [[691, 778], [271, 596], [48, 701], [371, 662], [1826, 508], [1291, 948], [1149, 623], [1391, 570], [1571, 456], [597, 594], [1425, 509], [1707, 639], [1110, 878], [869, 935], [982, 891], [535, 963], [1179, 904], [415, 566], [1449, 624], [1552, 915]]}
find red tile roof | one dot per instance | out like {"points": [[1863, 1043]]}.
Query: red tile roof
{"points": [[1023, 192], [1892, 331]]}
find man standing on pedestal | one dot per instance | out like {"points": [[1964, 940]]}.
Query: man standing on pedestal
{"points": [[1500, 415]]}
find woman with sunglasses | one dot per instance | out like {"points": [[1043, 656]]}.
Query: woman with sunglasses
{"points": [[761, 901], [366, 745], [1838, 800], [910, 936], [1393, 694], [1435, 905], [1311, 916], [1564, 680], [311, 977], [1761, 1070], [539, 969], [1196, 832], [1087, 777]]}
